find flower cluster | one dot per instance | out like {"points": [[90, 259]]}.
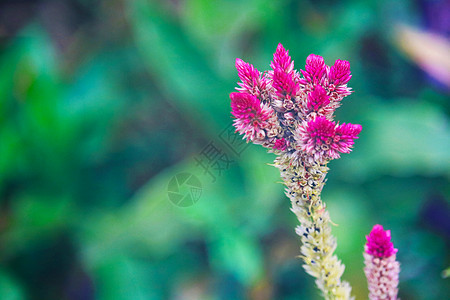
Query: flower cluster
{"points": [[292, 112], [382, 269]]}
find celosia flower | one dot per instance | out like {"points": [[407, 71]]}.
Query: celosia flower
{"points": [[315, 134], [251, 81], [251, 116], [315, 69], [304, 106], [284, 84], [345, 135], [379, 242], [322, 139], [382, 269], [317, 99], [282, 60], [340, 72], [244, 106], [291, 114]]}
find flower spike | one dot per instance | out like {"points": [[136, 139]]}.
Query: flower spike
{"points": [[382, 269], [284, 84], [340, 72], [282, 60], [291, 114], [251, 81], [345, 136], [245, 106], [253, 119], [317, 99], [322, 139], [315, 69]]}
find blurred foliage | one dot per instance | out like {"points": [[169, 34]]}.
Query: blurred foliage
{"points": [[102, 103]]}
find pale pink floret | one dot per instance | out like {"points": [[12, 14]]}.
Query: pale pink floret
{"points": [[251, 80], [282, 60], [340, 72], [317, 99], [381, 268], [251, 116], [315, 69]]}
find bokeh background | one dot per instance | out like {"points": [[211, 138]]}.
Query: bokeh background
{"points": [[103, 103]]}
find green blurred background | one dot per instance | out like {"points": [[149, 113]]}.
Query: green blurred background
{"points": [[102, 103]]}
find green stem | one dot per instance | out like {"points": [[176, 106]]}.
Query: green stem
{"points": [[304, 184]]}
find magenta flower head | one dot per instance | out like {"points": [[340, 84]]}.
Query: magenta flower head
{"points": [[245, 106], [251, 80], [281, 60], [379, 242], [345, 137], [291, 112], [317, 99], [382, 269], [322, 139], [252, 117], [315, 68], [284, 84], [340, 72], [316, 138]]}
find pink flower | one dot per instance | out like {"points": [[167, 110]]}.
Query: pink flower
{"points": [[317, 99], [315, 69], [251, 116], [379, 242], [274, 104], [244, 106], [381, 268], [282, 60], [322, 139], [340, 72], [316, 138], [284, 84], [346, 133], [280, 144], [252, 82]]}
